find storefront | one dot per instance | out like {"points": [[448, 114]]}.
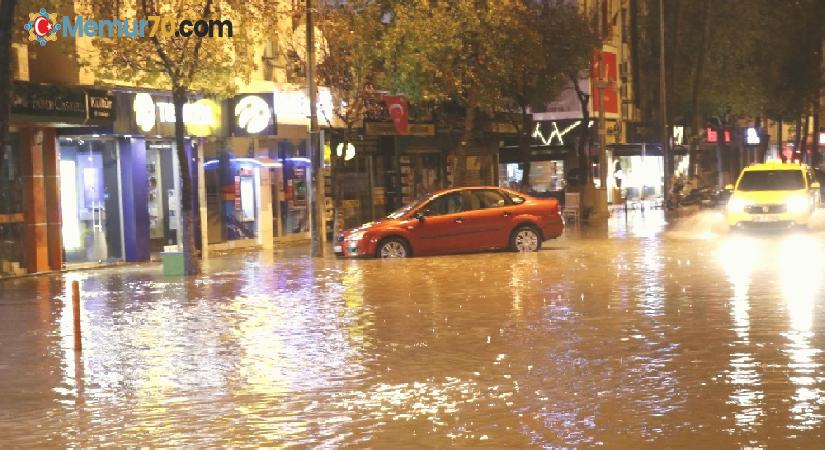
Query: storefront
{"points": [[637, 170], [552, 157], [31, 186], [149, 167]]}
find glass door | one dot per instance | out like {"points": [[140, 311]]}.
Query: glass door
{"points": [[90, 200]]}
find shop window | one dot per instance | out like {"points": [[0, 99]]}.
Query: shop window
{"points": [[90, 200], [545, 176]]}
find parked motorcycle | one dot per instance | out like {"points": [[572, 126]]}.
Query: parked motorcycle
{"points": [[704, 197]]}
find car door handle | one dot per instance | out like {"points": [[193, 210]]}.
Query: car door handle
{"points": [[459, 220], [507, 214]]}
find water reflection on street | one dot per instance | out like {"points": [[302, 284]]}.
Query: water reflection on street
{"points": [[623, 336]]}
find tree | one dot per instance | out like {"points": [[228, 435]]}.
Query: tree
{"points": [[212, 65], [439, 52], [539, 45], [350, 68]]}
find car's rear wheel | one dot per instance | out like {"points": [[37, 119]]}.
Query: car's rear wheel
{"points": [[525, 239], [393, 248]]}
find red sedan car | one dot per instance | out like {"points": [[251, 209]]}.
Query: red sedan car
{"points": [[456, 221]]}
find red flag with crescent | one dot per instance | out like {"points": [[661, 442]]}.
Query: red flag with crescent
{"points": [[398, 108]]}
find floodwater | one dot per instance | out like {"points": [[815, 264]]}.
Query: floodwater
{"points": [[632, 335]]}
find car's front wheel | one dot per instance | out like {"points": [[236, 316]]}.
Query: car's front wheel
{"points": [[525, 239], [393, 248]]}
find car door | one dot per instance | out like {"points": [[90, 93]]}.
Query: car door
{"points": [[441, 229], [490, 218]]}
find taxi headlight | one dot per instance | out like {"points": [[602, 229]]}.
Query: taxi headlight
{"points": [[355, 237], [798, 204], [737, 205]]}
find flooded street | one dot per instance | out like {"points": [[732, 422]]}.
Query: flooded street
{"points": [[632, 335]]}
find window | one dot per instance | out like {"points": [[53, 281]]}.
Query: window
{"points": [[491, 199], [445, 204]]}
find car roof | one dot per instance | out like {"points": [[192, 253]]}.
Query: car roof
{"points": [[473, 188], [775, 166]]}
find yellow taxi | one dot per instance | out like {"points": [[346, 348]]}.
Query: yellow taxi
{"points": [[773, 193]]}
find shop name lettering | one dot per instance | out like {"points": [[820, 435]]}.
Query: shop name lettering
{"points": [[100, 102], [556, 136], [45, 104], [193, 113]]}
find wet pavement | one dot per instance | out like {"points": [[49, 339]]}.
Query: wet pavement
{"points": [[632, 335]]}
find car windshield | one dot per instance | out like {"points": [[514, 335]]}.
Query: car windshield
{"points": [[771, 180], [407, 208]]}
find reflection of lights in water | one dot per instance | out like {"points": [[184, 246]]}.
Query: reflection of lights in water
{"points": [[800, 266], [738, 256], [653, 290]]}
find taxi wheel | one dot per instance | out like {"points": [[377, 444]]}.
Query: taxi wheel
{"points": [[525, 239], [393, 248]]}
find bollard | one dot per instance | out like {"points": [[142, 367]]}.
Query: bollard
{"points": [[78, 345]]}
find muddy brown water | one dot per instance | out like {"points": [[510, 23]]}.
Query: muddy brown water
{"points": [[625, 336]]}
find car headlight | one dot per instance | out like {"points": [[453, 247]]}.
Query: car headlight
{"points": [[355, 237], [737, 204], [798, 204]]}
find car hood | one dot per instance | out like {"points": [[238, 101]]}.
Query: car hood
{"points": [[767, 197], [370, 226]]}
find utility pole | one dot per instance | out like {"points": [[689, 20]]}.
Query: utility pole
{"points": [[316, 203], [663, 103]]}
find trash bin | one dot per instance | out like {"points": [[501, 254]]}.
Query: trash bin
{"points": [[172, 263]]}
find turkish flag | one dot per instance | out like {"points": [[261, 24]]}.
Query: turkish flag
{"points": [[398, 108]]}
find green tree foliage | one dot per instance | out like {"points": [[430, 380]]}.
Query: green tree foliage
{"points": [[438, 51], [182, 64], [539, 47], [350, 67], [485, 56]]}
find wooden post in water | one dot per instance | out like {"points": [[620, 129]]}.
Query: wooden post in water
{"points": [[78, 345]]}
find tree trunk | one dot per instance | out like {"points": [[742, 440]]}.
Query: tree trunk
{"points": [[720, 141], [803, 142], [696, 89], [796, 146], [584, 135], [460, 169], [524, 149], [779, 139], [6, 22], [816, 157], [187, 204], [337, 186]]}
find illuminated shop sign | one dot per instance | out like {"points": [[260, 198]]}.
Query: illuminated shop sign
{"points": [[61, 103], [253, 114], [157, 116], [752, 136], [292, 106], [713, 136], [678, 135], [556, 132]]}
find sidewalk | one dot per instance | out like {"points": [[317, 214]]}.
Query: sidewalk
{"points": [[290, 249]]}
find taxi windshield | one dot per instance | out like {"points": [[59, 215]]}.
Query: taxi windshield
{"points": [[771, 180]]}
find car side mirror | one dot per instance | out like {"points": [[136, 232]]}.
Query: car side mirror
{"points": [[728, 187], [419, 216], [815, 185]]}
